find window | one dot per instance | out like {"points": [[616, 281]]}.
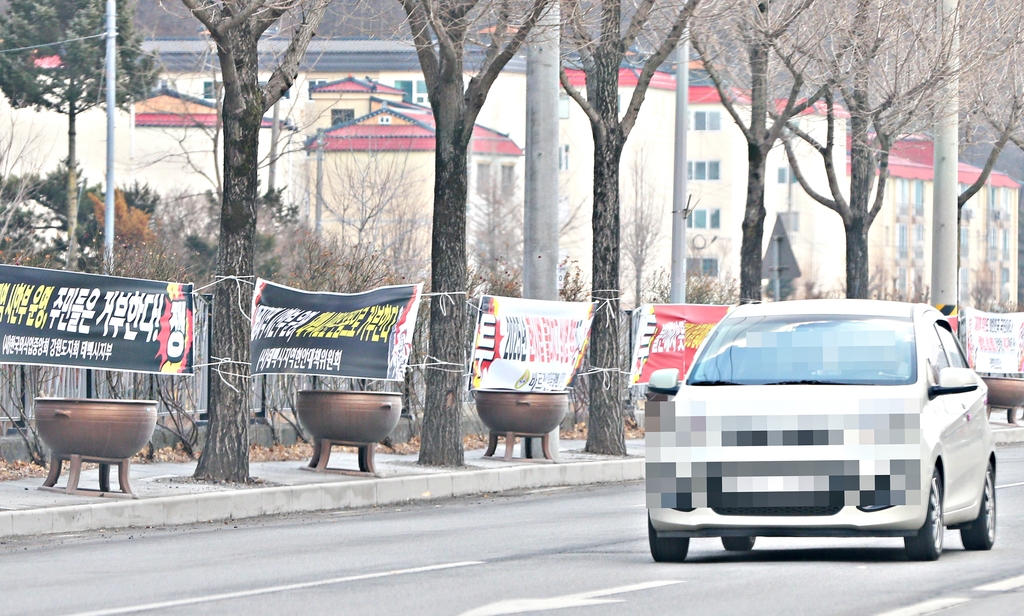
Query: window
{"points": [[786, 175], [702, 267], [405, 86], [707, 120], [508, 178], [1006, 244], [422, 97], [993, 247], [954, 352], [965, 242], [715, 223], [1004, 288], [483, 178], [698, 219], [703, 169], [209, 90], [313, 83], [384, 119], [918, 241], [563, 106], [340, 116], [785, 348], [918, 198], [902, 197], [901, 279], [902, 234], [563, 157], [965, 280]]}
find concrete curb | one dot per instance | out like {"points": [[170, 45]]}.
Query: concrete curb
{"points": [[1008, 436], [254, 502]]}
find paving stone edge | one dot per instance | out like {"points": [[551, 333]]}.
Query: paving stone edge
{"points": [[254, 502]]}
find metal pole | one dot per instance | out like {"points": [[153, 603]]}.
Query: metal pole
{"points": [[318, 224], [677, 291], [944, 202], [776, 266], [108, 227], [540, 203]]}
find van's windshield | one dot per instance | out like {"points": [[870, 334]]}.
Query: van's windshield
{"points": [[808, 349]]}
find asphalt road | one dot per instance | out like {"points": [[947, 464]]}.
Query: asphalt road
{"points": [[561, 551]]}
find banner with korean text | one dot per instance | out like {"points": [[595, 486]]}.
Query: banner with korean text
{"points": [[529, 344], [364, 335], [667, 336], [994, 341], [59, 318]]}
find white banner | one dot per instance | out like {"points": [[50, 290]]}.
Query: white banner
{"points": [[529, 344], [994, 341]]}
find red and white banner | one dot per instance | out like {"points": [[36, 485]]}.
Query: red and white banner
{"points": [[667, 336], [529, 344], [994, 341]]}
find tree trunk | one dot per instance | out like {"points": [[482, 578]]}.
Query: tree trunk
{"points": [[605, 429], [857, 257], [72, 262], [442, 418], [863, 170], [753, 227], [222, 458]]}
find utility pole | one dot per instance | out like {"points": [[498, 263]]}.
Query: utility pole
{"points": [[944, 202], [318, 224], [111, 76], [677, 290], [540, 207]]}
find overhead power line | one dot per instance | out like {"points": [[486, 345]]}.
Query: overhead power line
{"points": [[83, 38]]}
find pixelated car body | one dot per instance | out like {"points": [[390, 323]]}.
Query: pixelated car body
{"points": [[821, 418]]}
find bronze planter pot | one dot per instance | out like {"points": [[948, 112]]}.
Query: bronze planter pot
{"points": [[517, 413], [1005, 393], [80, 430], [354, 418], [95, 428]]}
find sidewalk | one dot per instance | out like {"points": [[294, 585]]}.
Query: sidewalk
{"points": [[168, 497]]}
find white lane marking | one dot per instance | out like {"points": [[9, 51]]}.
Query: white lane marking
{"points": [[1003, 585], [583, 599], [927, 607], [146, 607], [1010, 485]]}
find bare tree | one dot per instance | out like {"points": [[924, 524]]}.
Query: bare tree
{"points": [[642, 228], [600, 35], [884, 62], [236, 27], [441, 31], [496, 223], [376, 198], [761, 93]]}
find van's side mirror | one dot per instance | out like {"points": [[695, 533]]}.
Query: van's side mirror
{"points": [[953, 381], [664, 381]]}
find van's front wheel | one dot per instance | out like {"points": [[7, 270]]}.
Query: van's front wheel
{"points": [[666, 549], [927, 543]]}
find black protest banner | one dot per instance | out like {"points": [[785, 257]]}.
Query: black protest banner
{"points": [[58, 318], [364, 335]]}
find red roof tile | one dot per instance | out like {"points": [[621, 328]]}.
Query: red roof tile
{"points": [[351, 84], [415, 137]]}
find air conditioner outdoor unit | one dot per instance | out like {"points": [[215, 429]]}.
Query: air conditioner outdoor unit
{"points": [[999, 215]]}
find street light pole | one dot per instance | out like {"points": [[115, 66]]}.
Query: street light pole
{"points": [[677, 290], [944, 202], [318, 221], [540, 203], [111, 76]]}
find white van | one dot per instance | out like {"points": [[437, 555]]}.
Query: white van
{"points": [[836, 418]]}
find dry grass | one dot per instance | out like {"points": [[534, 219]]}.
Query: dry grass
{"points": [[17, 469], [579, 431]]}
